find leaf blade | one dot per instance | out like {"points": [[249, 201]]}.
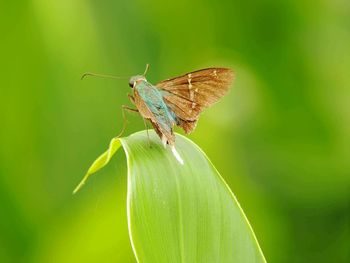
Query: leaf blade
{"points": [[183, 213]]}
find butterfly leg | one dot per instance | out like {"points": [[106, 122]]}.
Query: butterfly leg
{"points": [[125, 108], [131, 98]]}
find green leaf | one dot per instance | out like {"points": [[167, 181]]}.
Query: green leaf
{"points": [[181, 213], [100, 162]]}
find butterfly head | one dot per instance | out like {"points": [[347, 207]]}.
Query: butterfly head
{"points": [[135, 79]]}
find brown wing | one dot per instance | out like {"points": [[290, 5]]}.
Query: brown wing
{"points": [[189, 94], [187, 126]]}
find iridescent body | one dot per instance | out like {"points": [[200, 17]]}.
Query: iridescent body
{"points": [[156, 110]]}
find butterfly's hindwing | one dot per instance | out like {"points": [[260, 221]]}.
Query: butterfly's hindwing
{"points": [[187, 126]]}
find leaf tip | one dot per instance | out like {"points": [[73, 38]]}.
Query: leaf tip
{"points": [[79, 186]]}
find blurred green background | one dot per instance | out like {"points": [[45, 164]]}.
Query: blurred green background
{"points": [[280, 138]]}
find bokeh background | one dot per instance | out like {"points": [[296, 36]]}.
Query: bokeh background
{"points": [[280, 138]]}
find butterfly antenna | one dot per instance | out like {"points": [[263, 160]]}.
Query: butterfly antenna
{"points": [[101, 76], [147, 67]]}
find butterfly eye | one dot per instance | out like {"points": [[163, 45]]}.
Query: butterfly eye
{"points": [[132, 83]]}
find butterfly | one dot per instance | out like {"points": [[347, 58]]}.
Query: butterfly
{"points": [[178, 101]]}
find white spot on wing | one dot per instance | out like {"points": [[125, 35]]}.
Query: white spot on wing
{"points": [[191, 92]]}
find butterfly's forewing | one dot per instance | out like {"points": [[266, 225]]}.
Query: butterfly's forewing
{"points": [[188, 95]]}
